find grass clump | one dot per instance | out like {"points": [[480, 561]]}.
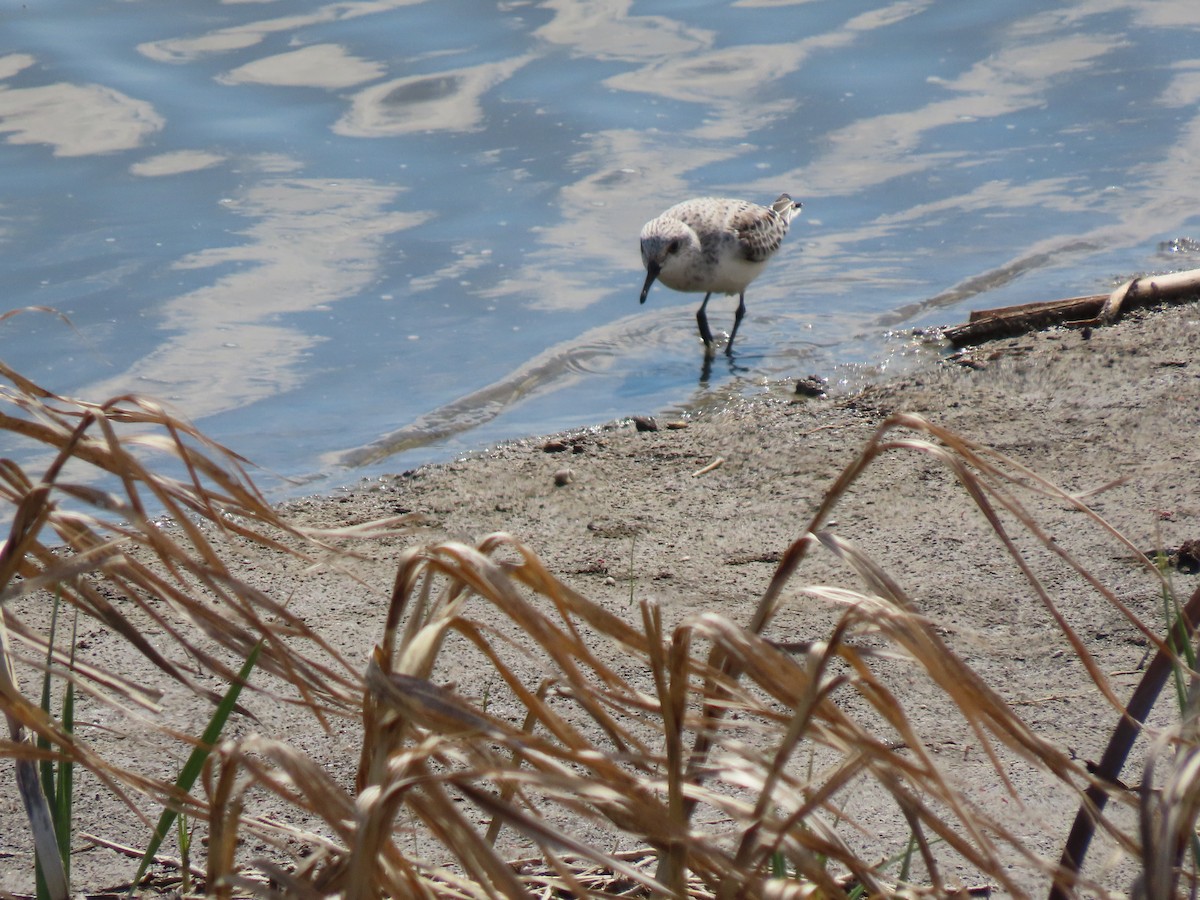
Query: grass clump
{"points": [[91, 531], [514, 737]]}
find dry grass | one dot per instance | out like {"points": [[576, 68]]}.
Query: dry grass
{"points": [[704, 760]]}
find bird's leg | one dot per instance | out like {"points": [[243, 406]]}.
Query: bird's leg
{"points": [[702, 321], [737, 320]]}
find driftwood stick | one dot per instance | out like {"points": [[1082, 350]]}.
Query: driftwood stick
{"points": [[1076, 312], [1108, 770]]}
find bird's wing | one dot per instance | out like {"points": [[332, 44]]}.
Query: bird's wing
{"points": [[759, 231]]}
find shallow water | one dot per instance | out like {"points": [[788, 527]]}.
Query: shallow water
{"points": [[346, 238]]}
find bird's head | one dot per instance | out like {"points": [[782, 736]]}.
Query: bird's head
{"points": [[667, 245]]}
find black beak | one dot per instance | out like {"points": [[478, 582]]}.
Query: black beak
{"points": [[652, 270]]}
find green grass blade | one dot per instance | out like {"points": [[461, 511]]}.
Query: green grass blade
{"points": [[778, 865], [51, 879], [195, 762], [183, 836], [907, 857], [46, 766], [64, 789]]}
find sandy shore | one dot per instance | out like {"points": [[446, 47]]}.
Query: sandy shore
{"points": [[698, 516]]}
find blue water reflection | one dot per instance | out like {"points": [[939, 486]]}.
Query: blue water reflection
{"points": [[348, 237]]}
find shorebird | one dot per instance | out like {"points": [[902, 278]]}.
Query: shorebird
{"points": [[714, 245]]}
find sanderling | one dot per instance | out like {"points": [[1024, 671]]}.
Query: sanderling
{"points": [[714, 245]]}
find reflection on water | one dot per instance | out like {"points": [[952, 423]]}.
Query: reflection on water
{"points": [[349, 236], [309, 243], [318, 66], [72, 119], [448, 101]]}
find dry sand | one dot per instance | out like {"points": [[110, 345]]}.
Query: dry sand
{"points": [[1117, 409]]}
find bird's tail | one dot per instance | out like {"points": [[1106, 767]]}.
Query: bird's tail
{"points": [[787, 207]]}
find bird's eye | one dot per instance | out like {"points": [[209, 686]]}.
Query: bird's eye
{"points": [[673, 247]]}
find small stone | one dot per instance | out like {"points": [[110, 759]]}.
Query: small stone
{"points": [[554, 446], [610, 581], [563, 477], [645, 423], [812, 386], [676, 426], [1187, 558]]}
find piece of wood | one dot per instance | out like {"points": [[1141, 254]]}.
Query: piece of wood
{"points": [[1076, 312]]}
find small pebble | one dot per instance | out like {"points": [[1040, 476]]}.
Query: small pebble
{"points": [[676, 426], [812, 386], [553, 446], [610, 581], [563, 477], [645, 423]]}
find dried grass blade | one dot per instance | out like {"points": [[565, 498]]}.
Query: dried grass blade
{"points": [[971, 695], [508, 788], [478, 858], [670, 682], [750, 853], [544, 834], [1167, 815], [225, 805]]}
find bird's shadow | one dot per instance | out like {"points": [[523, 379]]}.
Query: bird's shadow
{"points": [[710, 356]]}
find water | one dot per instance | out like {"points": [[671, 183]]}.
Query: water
{"points": [[347, 238]]}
